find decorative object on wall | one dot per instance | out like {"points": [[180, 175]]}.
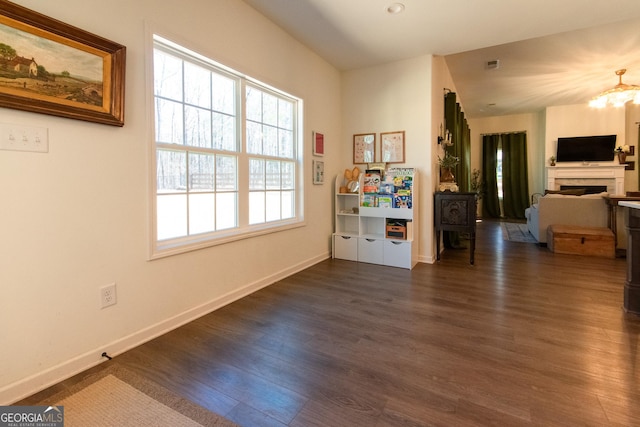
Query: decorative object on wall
{"points": [[445, 136], [318, 144], [54, 68], [364, 148], [447, 179], [318, 172], [619, 95], [392, 147], [622, 158], [622, 151]]}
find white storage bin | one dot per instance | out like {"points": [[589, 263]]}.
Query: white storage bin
{"points": [[371, 250], [345, 247], [397, 254]]}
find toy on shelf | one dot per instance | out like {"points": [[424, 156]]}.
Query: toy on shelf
{"points": [[351, 180], [371, 182]]}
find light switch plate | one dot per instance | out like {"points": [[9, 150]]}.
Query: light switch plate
{"points": [[24, 138]]}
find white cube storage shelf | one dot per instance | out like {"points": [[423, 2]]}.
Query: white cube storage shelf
{"points": [[360, 231]]}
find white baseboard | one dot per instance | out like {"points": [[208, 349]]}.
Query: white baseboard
{"points": [[26, 387], [427, 259]]}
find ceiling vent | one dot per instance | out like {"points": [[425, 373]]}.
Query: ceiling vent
{"points": [[493, 65]]}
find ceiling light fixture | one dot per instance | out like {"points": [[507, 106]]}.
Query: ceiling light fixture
{"points": [[619, 95], [395, 8]]}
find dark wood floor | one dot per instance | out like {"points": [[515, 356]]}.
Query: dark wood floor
{"points": [[524, 337]]}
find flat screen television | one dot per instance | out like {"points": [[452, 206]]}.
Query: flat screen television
{"points": [[597, 148]]}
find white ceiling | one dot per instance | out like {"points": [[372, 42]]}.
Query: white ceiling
{"points": [[551, 52]]}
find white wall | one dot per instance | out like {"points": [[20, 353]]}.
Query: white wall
{"points": [[77, 218], [582, 120], [631, 178], [395, 97]]}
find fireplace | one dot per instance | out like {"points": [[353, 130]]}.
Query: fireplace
{"points": [[610, 176], [588, 189]]}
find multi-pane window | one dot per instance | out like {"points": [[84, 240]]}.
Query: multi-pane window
{"points": [[226, 156], [270, 136]]}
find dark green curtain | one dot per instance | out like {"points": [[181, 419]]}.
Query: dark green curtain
{"points": [[456, 124], [515, 181], [490, 201], [463, 151]]}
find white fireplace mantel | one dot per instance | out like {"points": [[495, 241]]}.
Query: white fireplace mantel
{"points": [[611, 175]]}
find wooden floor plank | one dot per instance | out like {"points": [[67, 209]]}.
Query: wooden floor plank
{"points": [[524, 337]]}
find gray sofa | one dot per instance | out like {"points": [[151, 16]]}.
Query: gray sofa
{"points": [[589, 210]]}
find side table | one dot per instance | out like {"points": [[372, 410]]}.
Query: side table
{"points": [[612, 204], [456, 212]]}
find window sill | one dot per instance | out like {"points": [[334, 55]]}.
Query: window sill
{"points": [[177, 247]]}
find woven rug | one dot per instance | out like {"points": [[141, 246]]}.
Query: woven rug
{"points": [[118, 397], [517, 232]]}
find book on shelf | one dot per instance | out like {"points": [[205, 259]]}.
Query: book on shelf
{"points": [[401, 171], [371, 181], [392, 188], [386, 188], [370, 200], [402, 202], [385, 201], [402, 179]]}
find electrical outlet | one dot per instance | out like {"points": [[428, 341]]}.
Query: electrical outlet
{"points": [[108, 295]]}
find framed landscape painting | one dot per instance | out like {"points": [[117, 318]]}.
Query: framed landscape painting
{"points": [[49, 67]]}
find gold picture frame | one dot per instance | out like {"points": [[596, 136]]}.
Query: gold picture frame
{"points": [[49, 67], [364, 148], [392, 147]]}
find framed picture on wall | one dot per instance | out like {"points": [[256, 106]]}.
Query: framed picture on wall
{"points": [[318, 172], [53, 68], [392, 147], [364, 148], [318, 144]]}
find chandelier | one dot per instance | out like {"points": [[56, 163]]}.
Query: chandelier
{"points": [[619, 95]]}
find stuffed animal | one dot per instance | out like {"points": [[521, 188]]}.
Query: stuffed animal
{"points": [[344, 188], [351, 180]]}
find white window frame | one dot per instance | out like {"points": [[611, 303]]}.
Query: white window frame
{"points": [[163, 248]]}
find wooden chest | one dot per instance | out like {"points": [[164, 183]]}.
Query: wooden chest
{"points": [[576, 240]]}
